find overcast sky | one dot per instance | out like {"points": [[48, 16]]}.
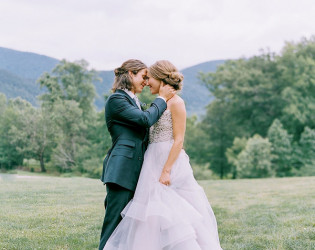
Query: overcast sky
{"points": [[186, 32]]}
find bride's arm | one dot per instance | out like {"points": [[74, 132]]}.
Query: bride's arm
{"points": [[179, 126]]}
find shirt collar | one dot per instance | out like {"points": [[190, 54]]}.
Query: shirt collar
{"points": [[132, 95]]}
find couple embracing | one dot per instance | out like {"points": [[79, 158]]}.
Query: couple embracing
{"points": [[153, 201]]}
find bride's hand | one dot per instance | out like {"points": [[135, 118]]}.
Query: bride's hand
{"points": [[165, 178]]}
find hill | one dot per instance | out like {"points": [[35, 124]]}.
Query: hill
{"points": [[103, 87], [195, 94], [13, 86], [25, 64], [20, 70]]}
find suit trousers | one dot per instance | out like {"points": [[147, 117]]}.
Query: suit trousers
{"points": [[116, 200]]}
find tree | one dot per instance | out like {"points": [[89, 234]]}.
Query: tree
{"points": [[70, 81], [69, 100], [71, 130], [217, 137], [146, 97], [254, 92], [191, 143], [298, 74], [255, 160], [249, 90], [3, 104], [91, 154], [42, 137], [232, 153], [280, 148], [307, 151], [11, 148], [33, 132]]}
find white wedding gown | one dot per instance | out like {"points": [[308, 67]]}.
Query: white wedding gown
{"points": [[159, 217]]}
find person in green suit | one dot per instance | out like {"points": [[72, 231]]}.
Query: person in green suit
{"points": [[128, 126]]}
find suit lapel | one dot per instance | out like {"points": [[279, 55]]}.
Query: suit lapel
{"points": [[128, 96]]}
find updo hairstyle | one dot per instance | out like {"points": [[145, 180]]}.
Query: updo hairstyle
{"points": [[166, 72], [122, 78]]}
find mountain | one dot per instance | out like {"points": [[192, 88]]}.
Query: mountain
{"points": [[12, 86], [195, 94], [102, 88], [25, 64], [20, 70]]}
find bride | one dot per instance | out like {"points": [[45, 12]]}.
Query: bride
{"points": [[169, 210]]}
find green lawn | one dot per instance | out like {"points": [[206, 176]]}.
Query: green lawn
{"points": [[42, 212]]}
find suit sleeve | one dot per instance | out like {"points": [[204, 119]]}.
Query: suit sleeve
{"points": [[124, 112]]}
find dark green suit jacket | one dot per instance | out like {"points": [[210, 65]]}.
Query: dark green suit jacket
{"points": [[128, 127]]}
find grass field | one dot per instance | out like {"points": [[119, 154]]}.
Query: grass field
{"points": [[41, 212]]}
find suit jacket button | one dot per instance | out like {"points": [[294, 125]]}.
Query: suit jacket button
{"points": [[139, 158]]}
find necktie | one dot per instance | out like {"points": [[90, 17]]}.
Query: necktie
{"points": [[137, 101]]}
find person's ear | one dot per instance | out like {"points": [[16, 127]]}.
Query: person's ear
{"points": [[130, 73]]}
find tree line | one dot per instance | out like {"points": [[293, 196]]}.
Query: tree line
{"points": [[261, 122], [65, 133]]}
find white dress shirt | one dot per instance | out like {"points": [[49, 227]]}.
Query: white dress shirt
{"points": [[133, 96]]}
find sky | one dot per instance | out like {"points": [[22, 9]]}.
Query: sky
{"points": [[187, 32]]}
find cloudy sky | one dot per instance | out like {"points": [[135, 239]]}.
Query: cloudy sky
{"points": [[186, 32]]}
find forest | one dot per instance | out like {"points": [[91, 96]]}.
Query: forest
{"points": [[260, 122]]}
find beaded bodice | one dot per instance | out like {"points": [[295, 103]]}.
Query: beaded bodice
{"points": [[162, 130]]}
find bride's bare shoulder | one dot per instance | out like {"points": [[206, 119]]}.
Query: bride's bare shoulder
{"points": [[176, 103]]}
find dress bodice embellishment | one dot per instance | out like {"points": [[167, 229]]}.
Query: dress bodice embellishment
{"points": [[162, 130]]}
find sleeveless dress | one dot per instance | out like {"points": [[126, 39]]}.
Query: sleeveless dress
{"points": [[160, 217]]}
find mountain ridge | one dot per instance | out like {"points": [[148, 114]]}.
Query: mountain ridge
{"points": [[19, 71]]}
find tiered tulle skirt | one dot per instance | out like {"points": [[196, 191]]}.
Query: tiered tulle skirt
{"points": [[159, 217]]}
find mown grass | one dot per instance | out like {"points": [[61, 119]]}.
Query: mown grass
{"points": [[66, 213]]}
